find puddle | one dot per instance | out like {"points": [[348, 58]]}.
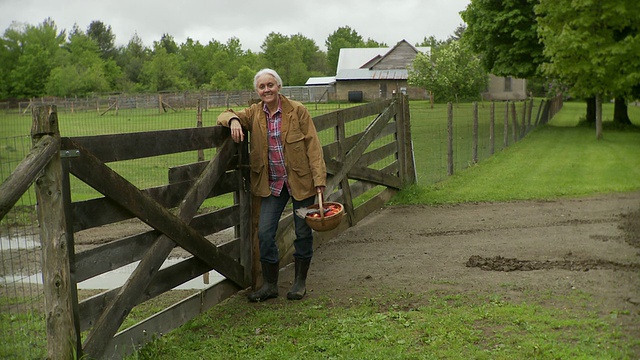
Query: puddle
{"points": [[18, 243], [117, 278]]}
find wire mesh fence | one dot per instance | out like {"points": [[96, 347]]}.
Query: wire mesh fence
{"points": [[476, 132], [22, 322]]}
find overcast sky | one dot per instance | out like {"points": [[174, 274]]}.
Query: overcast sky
{"points": [[387, 21]]}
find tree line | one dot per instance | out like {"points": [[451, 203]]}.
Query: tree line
{"points": [[42, 60]]}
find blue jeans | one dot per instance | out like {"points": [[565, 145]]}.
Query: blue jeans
{"points": [[271, 208]]}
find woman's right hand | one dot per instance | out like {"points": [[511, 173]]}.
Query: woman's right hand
{"points": [[236, 130]]}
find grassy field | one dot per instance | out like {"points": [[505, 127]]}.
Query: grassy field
{"points": [[558, 160]]}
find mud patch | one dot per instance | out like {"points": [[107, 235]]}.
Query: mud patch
{"points": [[499, 263]]}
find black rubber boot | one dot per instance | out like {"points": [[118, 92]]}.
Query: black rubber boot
{"points": [[269, 287], [299, 288]]}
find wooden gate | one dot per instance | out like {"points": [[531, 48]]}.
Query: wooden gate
{"points": [[376, 160]]}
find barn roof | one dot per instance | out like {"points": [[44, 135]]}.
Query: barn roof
{"points": [[322, 80], [366, 74], [358, 63]]}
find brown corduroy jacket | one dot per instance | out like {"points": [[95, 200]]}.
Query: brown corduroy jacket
{"points": [[302, 150]]}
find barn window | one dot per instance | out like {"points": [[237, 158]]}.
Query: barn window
{"points": [[507, 84]]}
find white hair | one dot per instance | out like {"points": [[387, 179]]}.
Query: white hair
{"points": [[266, 72]]}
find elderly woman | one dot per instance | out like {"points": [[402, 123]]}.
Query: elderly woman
{"points": [[286, 162]]}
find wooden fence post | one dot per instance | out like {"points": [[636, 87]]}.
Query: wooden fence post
{"points": [[62, 336], [475, 133], [524, 129], [199, 125], [529, 113], [505, 134], [450, 137], [514, 118], [492, 128], [403, 137], [245, 229], [411, 174], [340, 136]]}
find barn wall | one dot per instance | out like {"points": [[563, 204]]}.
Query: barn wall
{"points": [[497, 91], [399, 58], [371, 89]]}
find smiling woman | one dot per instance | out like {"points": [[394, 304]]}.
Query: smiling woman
{"points": [[286, 162]]}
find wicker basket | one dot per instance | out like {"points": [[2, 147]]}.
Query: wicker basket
{"points": [[324, 223]]}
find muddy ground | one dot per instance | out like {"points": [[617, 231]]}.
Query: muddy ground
{"points": [[589, 245]]}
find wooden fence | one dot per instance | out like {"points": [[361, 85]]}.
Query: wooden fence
{"points": [[168, 101], [520, 124], [357, 161]]}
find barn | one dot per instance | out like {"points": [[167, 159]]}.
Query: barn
{"points": [[369, 74]]}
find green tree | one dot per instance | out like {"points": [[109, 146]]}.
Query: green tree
{"points": [[195, 62], [80, 69], [36, 48], [244, 80], [457, 33], [219, 81], [10, 48], [314, 59], [370, 43], [431, 42], [104, 37], [343, 37], [592, 46], [504, 34], [163, 71], [283, 55], [131, 60], [167, 43], [451, 72]]}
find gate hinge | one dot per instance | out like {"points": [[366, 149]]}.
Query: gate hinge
{"points": [[69, 153]]}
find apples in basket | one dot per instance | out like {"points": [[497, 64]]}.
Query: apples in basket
{"points": [[324, 216]]}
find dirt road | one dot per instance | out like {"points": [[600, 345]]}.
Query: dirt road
{"points": [[591, 245]]}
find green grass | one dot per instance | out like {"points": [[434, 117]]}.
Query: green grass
{"points": [[25, 333], [393, 326], [558, 160]]}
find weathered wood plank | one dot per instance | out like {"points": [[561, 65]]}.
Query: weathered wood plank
{"points": [[118, 253], [331, 150], [326, 121], [97, 212], [189, 172], [372, 131], [127, 341], [119, 147], [386, 177], [406, 150], [62, 335], [165, 280], [188, 238], [90, 170], [19, 181]]}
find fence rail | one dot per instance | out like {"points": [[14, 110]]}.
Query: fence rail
{"points": [[166, 101]]}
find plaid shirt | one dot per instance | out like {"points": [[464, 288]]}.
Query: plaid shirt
{"points": [[277, 170]]}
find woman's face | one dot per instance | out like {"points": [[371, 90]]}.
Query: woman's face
{"points": [[267, 88]]}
